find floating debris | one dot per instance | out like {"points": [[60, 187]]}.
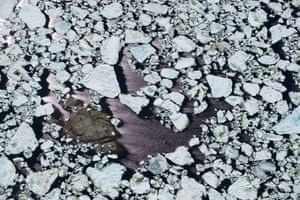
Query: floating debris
{"points": [[220, 87], [32, 16]]}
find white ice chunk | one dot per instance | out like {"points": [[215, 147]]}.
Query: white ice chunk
{"points": [[46, 109], [257, 18], [183, 63], [7, 172], [181, 156], [112, 11], [220, 87], [136, 104], [152, 78], [103, 79], [156, 8], [158, 164], [289, 125], [6, 8], [62, 27], [270, 95], [110, 50], [23, 140], [19, 100], [79, 12], [191, 189], [211, 179], [180, 121], [216, 28], [214, 194], [237, 62], [176, 97], [267, 60], [279, 31], [79, 182], [142, 52], [32, 16], [251, 88], [294, 67], [40, 182], [242, 188], [132, 36], [107, 178], [183, 44], [251, 106], [169, 73], [139, 184]]}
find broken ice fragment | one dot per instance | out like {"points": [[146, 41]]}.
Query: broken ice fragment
{"points": [[79, 182], [183, 63], [257, 18], [183, 44], [294, 67], [176, 97], [270, 95], [169, 73], [152, 78], [104, 80], [19, 100], [40, 182], [112, 11], [156, 8], [142, 52], [216, 28], [24, 140], [42, 110], [267, 60], [32, 16], [7, 172], [62, 27], [251, 106], [251, 88], [180, 121], [211, 179], [220, 87], [107, 178], [79, 12], [6, 8], [243, 189], [132, 36], [181, 156], [237, 62], [191, 189], [110, 50], [136, 104], [158, 164], [139, 183], [289, 125], [279, 31]]}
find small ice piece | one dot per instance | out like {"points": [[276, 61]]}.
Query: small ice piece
{"points": [[267, 60], [107, 179], [132, 36], [190, 189], [183, 63], [7, 172], [294, 67], [6, 8], [156, 8], [158, 164], [279, 31], [211, 179], [150, 90], [216, 28], [152, 78], [103, 79], [112, 11], [242, 188], [282, 107], [79, 12], [145, 20], [46, 109], [270, 95], [180, 121], [176, 97], [19, 100], [139, 184], [195, 75], [110, 50], [220, 87], [169, 73], [78, 182], [62, 27], [183, 44], [40, 182], [32, 16], [289, 125], [142, 52], [247, 149], [166, 83], [24, 140], [295, 97], [214, 194], [237, 62], [262, 155], [136, 104], [181, 156], [194, 142], [257, 18], [251, 106], [251, 88]]}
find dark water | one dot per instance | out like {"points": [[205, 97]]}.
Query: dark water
{"points": [[142, 137]]}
